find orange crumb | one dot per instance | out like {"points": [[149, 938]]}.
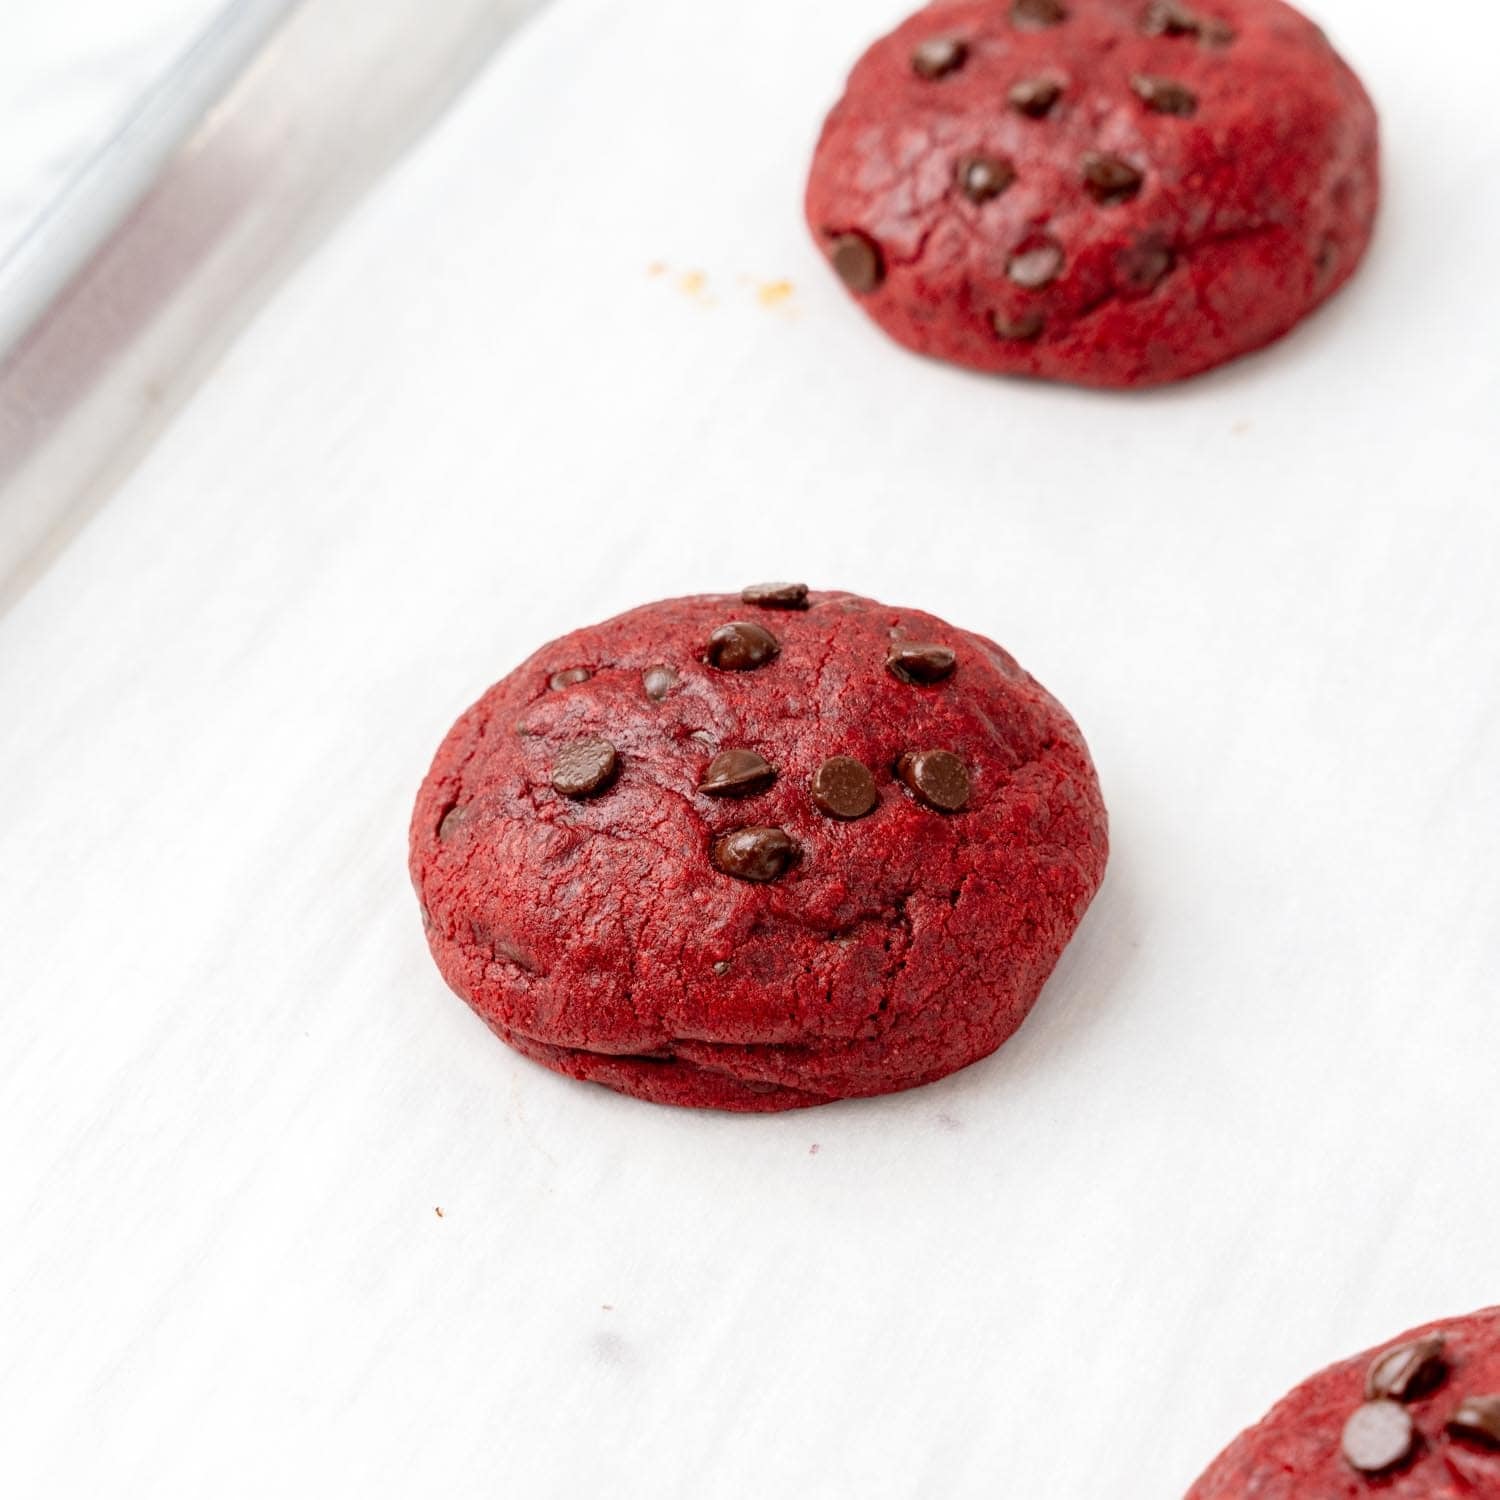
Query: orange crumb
{"points": [[774, 293], [657, 268]]}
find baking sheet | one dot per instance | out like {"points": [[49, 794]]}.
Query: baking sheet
{"points": [[279, 1216], [94, 99], [71, 73]]}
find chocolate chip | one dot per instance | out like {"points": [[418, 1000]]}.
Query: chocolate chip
{"points": [[1038, 263], [1171, 18], [585, 768], [843, 788], [982, 177], [1142, 267], [937, 777], [857, 259], [737, 773], [452, 821], [1165, 95], [939, 56], [917, 662], [1035, 96], [1408, 1372], [1477, 1420], [741, 647], [658, 682], [1378, 1437], [776, 595], [756, 854], [1167, 18], [560, 680], [1025, 329], [1110, 179], [1032, 15]]}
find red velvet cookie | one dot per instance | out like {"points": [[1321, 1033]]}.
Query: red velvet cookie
{"points": [[1110, 192], [1417, 1419], [758, 851]]}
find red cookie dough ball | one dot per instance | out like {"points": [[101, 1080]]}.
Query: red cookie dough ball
{"points": [[758, 851], [1109, 192], [1416, 1419]]}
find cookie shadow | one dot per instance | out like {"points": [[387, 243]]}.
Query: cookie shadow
{"points": [[1089, 976], [1335, 320], [1356, 302]]}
